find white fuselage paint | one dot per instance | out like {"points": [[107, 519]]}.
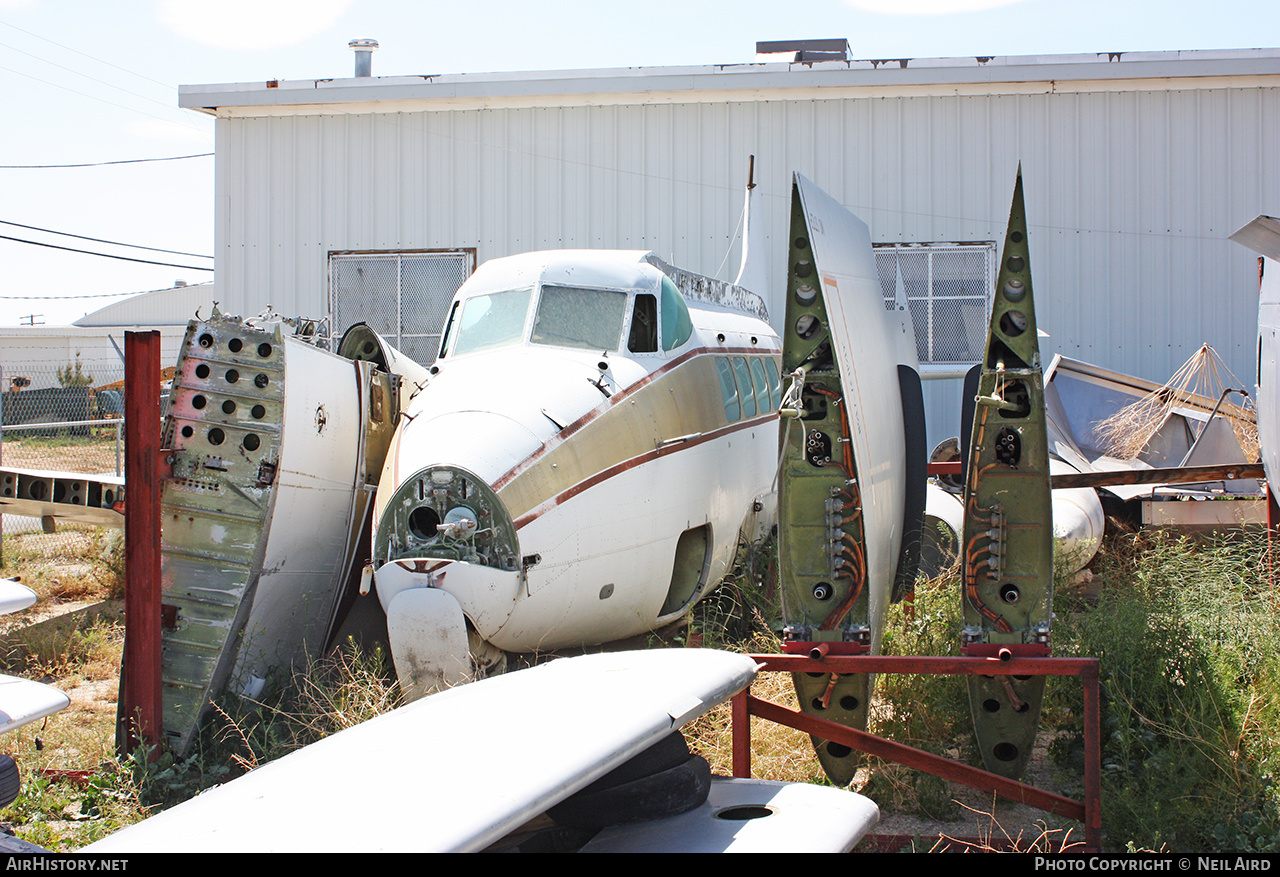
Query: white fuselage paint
{"points": [[1269, 371]]}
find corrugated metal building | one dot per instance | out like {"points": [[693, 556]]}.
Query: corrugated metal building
{"points": [[367, 198]]}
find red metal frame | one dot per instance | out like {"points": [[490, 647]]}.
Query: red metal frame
{"points": [[1088, 811], [140, 712]]}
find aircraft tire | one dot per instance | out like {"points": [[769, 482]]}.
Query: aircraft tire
{"points": [[671, 751], [10, 782], [665, 793]]}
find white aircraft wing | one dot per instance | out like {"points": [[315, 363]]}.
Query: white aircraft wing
{"points": [[457, 770], [15, 597], [23, 701]]}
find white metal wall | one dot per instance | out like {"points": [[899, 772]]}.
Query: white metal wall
{"points": [[1130, 196]]}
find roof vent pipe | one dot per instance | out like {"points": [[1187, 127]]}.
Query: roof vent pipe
{"points": [[364, 50]]}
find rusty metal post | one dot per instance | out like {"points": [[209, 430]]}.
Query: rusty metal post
{"points": [[140, 714], [740, 734]]}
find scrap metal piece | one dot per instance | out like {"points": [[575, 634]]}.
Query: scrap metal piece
{"points": [[263, 509], [63, 496]]}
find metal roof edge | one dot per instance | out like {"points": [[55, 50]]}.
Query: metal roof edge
{"points": [[710, 82]]}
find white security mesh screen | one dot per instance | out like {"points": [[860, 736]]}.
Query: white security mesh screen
{"points": [[947, 288], [404, 297]]}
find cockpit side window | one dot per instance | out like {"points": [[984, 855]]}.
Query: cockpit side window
{"points": [[447, 336], [489, 321], [587, 319], [677, 325], [644, 324]]}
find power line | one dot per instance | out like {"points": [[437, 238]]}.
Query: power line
{"points": [[102, 163], [101, 241], [87, 76], [169, 86], [90, 57], [90, 96], [65, 297], [103, 255]]}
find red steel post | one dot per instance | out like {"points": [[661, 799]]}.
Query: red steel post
{"points": [[740, 734], [140, 708]]}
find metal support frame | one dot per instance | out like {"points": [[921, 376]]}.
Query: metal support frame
{"points": [[1088, 811], [140, 713]]}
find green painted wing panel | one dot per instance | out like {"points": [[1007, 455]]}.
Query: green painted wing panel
{"points": [[820, 540], [1008, 548]]}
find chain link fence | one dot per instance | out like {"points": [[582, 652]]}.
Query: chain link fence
{"points": [[404, 297], [947, 289], [65, 419]]}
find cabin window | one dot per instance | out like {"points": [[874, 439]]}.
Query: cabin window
{"points": [[947, 288], [775, 384], [403, 296], [587, 319], [747, 393], [644, 324], [677, 326], [493, 320], [728, 390], [763, 400]]}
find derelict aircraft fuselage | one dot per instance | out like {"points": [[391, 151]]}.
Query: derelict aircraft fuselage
{"points": [[591, 443]]}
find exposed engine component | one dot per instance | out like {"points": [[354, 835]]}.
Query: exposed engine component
{"points": [[447, 513]]}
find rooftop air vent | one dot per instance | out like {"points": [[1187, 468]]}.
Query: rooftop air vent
{"points": [[364, 50]]}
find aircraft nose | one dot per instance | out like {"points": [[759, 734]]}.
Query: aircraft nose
{"points": [[444, 513]]}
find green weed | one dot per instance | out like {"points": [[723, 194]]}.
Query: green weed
{"points": [[1185, 632]]}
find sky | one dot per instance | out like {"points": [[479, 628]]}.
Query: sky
{"points": [[84, 82]]}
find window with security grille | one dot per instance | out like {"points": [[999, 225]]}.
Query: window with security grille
{"points": [[403, 296], [947, 288]]}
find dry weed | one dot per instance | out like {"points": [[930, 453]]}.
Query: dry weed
{"points": [[1199, 384]]}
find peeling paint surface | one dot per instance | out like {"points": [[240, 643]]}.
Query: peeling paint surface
{"points": [[257, 520]]}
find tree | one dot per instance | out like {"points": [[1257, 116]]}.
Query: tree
{"points": [[73, 374]]}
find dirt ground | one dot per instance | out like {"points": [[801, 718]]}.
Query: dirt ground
{"points": [[97, 456]]}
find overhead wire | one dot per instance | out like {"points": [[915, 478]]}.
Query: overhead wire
{"points": [[103, 163], [87, 76], [90, 96], [104, 255], [185, 117], [102, 241], [86, 55], [70, 297]]}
